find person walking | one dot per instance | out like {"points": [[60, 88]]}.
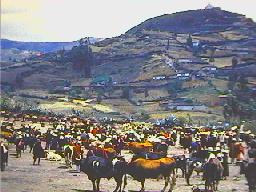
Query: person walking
{"points": [[19, 147], [38, 152]]}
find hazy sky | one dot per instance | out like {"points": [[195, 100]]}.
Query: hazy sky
{"points": [[68, 20]]}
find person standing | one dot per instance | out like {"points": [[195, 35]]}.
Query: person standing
{"points": [[38, 152], [19, 147], [77, 155], [225, 165], [4, 155]]}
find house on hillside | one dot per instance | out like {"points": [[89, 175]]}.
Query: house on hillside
{"points": [[183, 76], [159, 77], [191, 61], [207, 71], [179, 106], [102, 80]]}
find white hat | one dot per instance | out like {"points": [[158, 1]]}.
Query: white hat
{"points": [[210, 148], [212, 156], [219, 155], [224, 151]]}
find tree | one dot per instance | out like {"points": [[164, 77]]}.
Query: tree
{"points": [[5, 103], [181, 121], [190, 121], [144, 116], [126, 93], [99, 98], [168, 44], [243, 84], [212, 53], [175, 86], [189, 41], [82, 57], [234, 62]]}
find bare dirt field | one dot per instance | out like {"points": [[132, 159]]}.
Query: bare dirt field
{"points": [[22, 176]]}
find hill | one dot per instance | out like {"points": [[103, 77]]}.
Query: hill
{"points": [[40, 46], [184, 63], [194, 21]]}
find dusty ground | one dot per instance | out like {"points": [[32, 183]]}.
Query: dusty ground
{"points": [[22, 176]]}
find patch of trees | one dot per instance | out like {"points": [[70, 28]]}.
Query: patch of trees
{"points": [[82, 57], [234, 62], [175, 87], [23, 104], [232, 108]]}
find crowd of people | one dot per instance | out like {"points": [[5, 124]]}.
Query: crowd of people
{"points": [[76, 139]]}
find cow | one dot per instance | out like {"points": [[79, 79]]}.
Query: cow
{"points": [[181, 163], [148, 155], [99, 167], [185, 141], [108, 153], [237, 152], [50, 155], [137, 147], [249, 168], [193, 164], [160, 148], [141, 169], [197, 189], [212, 174], [250, 175]]}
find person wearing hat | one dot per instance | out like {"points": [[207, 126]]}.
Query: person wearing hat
{"points": [[225, 165], [77, 155], [48, 139], [19, 147], [38, 152]]}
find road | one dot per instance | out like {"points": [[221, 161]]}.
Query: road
{"points": [[22, 176]]}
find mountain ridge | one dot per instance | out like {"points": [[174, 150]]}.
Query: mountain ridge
{"points": [[179, 22], [41, 46]]}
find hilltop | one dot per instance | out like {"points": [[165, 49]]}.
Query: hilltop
{"points": [[195, 21], [182, 63]]}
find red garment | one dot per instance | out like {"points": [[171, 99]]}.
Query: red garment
{"points": [[77, 152], [94, 132]]}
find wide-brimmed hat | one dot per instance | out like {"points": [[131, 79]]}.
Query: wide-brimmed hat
{"points": [[225, 151], [210, 149], [212, 156]]}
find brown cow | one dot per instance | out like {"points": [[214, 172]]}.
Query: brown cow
{"points": [[140, 169], [107, 153], [236, 152], [137, 147]]}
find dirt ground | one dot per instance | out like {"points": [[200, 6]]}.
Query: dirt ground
{"points": [[22, 176]]}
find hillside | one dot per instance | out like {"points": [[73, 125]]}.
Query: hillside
{"points": [[182, 63]]}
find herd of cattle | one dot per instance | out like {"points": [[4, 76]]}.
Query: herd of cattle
{"points": [[98, 149]]}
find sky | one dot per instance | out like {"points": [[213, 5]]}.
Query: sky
{"points": [[69, 20]]}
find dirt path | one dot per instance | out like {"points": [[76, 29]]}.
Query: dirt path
{"points": [[22, 176]]}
